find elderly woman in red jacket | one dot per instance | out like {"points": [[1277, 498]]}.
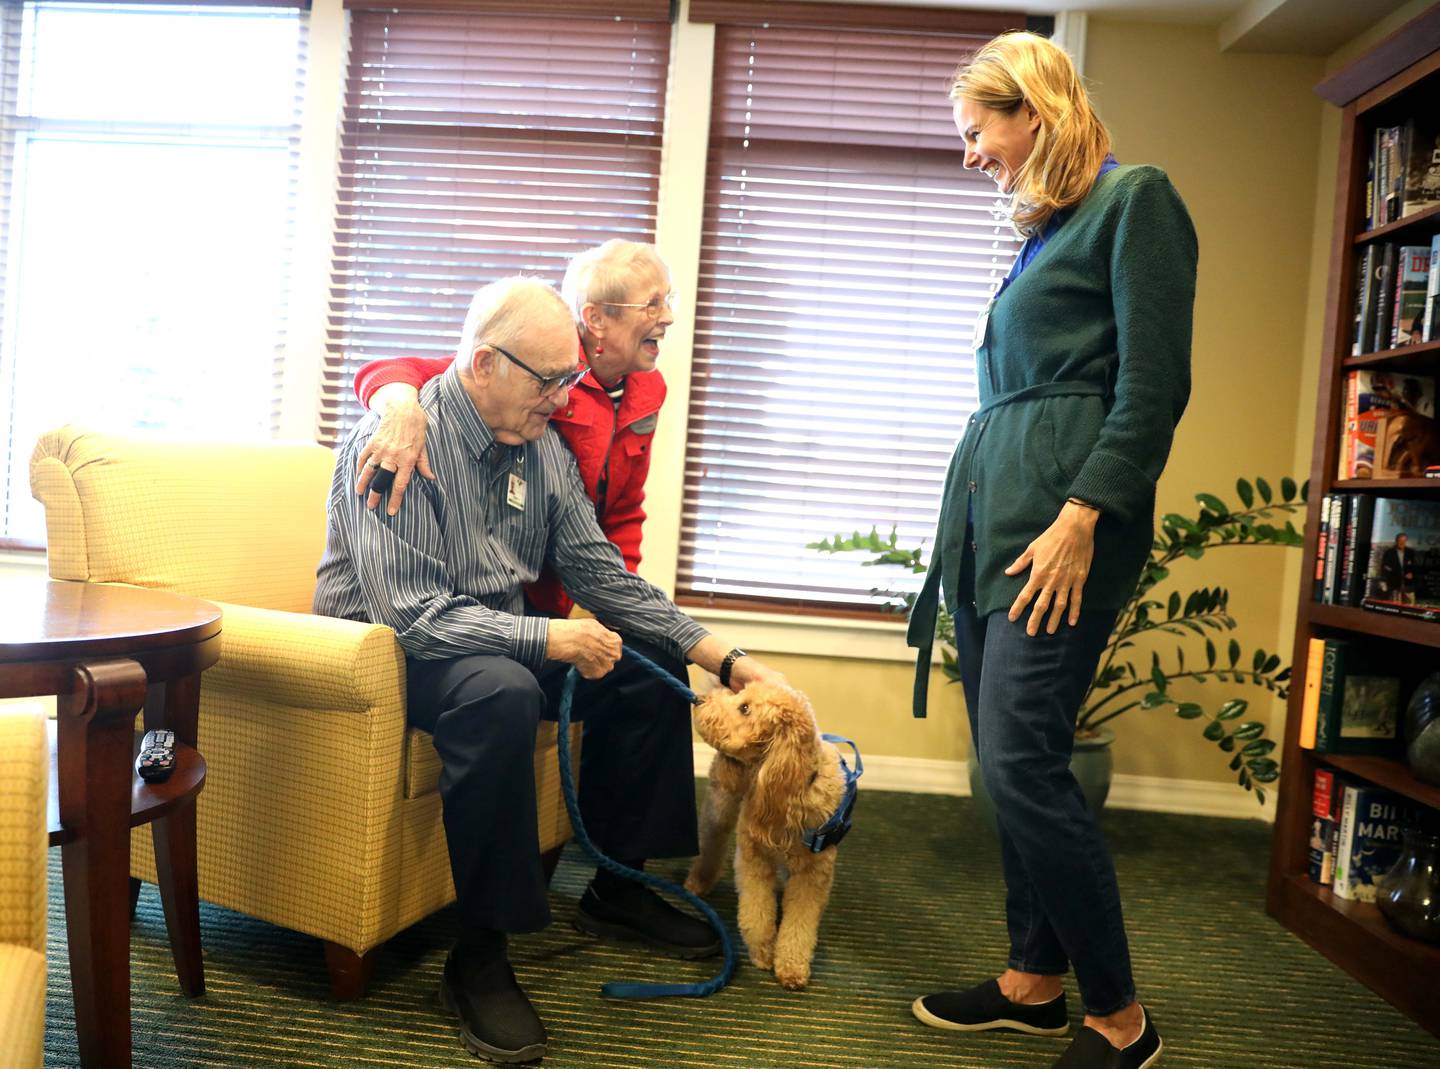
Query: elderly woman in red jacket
{"points": [[620, 294]]}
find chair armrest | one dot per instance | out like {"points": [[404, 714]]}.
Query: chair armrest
{"points": [[24, 836], [308, 661]]}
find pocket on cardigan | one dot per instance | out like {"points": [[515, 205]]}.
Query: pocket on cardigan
{"points": [[1047, 456]]}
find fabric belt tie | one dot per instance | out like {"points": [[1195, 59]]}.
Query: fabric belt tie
{"points": [[920, 633]]}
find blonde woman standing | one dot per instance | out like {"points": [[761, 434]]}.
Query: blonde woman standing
{"points": [[1083, 358]]}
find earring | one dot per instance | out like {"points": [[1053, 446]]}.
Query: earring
{"points": [[599, 349]]}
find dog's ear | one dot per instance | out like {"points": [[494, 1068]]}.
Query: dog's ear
{"points": [[775, 809]]}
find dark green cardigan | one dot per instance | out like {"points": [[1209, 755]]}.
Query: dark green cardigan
{"points": [[1083, 374]]}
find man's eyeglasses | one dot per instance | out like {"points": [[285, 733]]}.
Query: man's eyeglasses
{"points": [[651, 308], [548, 383]]}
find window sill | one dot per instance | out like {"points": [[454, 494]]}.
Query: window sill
{"points": [[815, 636], [22, 561]]}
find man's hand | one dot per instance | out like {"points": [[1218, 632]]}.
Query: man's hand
{"points": [[587, 644], [748, 670], [397, 445], [710, 652], [1059, 560]]}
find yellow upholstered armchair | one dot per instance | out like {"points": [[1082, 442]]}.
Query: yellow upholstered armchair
{"points": [[321, 811], [24, 771]]}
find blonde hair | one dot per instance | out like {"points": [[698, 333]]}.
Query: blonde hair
{"points": [[1022, 68], [605, 274]]}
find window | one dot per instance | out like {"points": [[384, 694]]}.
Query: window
{"points": [[479, 145], [147, 160], [845, 256]]}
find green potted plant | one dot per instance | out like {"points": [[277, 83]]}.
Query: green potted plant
{"points": [[1123, 682]]}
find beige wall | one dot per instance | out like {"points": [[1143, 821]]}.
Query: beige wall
{"points": [[1237, 133], [1238, 136]]}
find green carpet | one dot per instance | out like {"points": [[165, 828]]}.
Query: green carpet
{"points": [[916, 908]]}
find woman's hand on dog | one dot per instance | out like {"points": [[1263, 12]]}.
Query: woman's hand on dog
{"points": [[587, 644]]}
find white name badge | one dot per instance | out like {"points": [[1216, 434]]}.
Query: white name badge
{"points": [[515, 492], [980, 324]]}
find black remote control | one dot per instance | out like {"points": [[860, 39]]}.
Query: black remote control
{"points": [[157, 756]]}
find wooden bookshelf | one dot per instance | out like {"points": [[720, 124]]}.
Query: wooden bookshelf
{"points": [[1384, 772], [1418, 223], [1399, 77], [1359, 940], [1407, 358], [1383, 625]]}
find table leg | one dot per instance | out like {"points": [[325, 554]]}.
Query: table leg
{"points": [[95, 726], [177, 706]]}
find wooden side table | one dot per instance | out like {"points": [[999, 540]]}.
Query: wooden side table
{"points": [[104, 652]]}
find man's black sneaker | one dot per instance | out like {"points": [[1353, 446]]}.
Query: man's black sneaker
{"points": [[983, 1007], [637, 914], [1090, 1050], [497, 1022]]}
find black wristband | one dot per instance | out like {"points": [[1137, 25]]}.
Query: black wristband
{"points": [[728, 663]]}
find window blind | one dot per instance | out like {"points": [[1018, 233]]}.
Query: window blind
{"points": [[482, 145], [147, 171], [845, 256]]}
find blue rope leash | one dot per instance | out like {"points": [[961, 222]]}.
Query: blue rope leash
{"points": [[567, 782]]}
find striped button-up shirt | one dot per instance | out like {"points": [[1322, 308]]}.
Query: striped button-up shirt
{"points": [[447, 571]]}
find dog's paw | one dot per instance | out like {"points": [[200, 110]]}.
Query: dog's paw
{"points": [[763, 956], [792, 977], [701, 883]]}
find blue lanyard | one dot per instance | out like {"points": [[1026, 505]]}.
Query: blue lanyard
{"points": [[1035, 243]]}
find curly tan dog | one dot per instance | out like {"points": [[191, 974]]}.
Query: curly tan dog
{"points": [[773, 772]]}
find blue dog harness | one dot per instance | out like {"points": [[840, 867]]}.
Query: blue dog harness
{"points": [[838, 826]]}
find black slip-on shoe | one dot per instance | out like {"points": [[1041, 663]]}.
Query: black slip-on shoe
{"points": [[639, 915], [983, 1006], [1090, 1050], [497, 1022]]}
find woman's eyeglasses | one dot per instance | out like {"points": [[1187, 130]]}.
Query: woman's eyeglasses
{"points": [[548, 383], [650, 308]]}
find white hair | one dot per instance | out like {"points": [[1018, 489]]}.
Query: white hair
{"points": [[502, 311], [604, 274]]}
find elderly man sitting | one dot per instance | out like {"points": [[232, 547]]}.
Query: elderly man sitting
{"points": [[482, 671]]}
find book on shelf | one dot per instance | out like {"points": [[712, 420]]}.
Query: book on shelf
{"points": [[1402, 175], [1412, 276], [1407, 446], [1325, 812], [1430, 327], [1310, 699], [1371, 833], [1365, 291], [1380, 152], [1392, 295], [1354, 567], [1378, 333], [1420, 144], [1358, 711], [1370, 189], [1370, 445], [1404, 572], [1336, 524], [1322, 546]]}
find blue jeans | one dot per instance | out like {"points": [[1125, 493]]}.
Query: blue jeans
{"points": [[1062, 902]]}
